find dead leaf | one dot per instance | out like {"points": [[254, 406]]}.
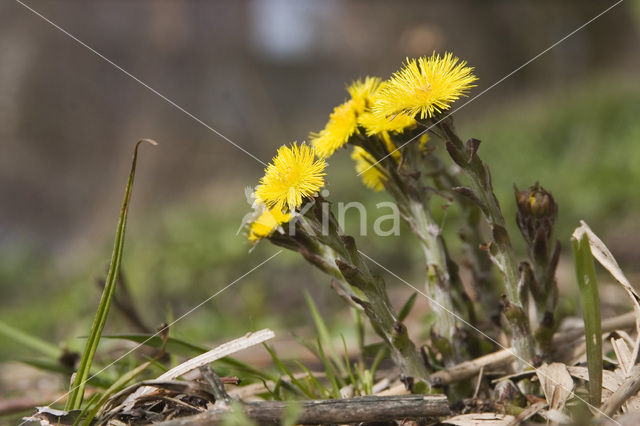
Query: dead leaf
{"points": [[610, 380], [556, 383]]}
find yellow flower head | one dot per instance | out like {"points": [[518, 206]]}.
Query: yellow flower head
{"points": [[293, 174], [424, 87], [343, 121], [372, 177], [362, 93], [375, 125], [341, 125], [267, 223]]}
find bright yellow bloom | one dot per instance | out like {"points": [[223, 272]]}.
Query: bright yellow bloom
{"points": [[267, 223], [362, 93], [343, 121], [293, 174], [341, 126], [424, 87], [372, 177], [374, 124]]}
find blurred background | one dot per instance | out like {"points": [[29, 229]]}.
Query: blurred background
{"points": [[264, 73]]}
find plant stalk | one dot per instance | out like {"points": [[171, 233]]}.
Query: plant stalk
{"points": [[500, 249]]}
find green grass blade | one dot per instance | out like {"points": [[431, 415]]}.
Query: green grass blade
{"points": [[291, 414], [56, 367], [30, 341], [586, 276], [347, 362], [383, 352], [323, 333], [117, 386], [283, 368], [174, 345], [328, 368], [76, 391], [360, 334], [324, 393], [243, 367]]}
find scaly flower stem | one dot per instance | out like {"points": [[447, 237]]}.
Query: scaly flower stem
{"points": [[501, 250], [443, 284], [536, 216], [471, 235], [325, 246], [375, 302]]}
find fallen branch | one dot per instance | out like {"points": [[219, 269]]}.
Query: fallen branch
{"points": [[352, 410], [468, 369]]}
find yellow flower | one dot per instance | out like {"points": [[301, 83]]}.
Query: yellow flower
{"points": [[341, 126], [293, 174], [424, 87], [362, 93], [374, 124], [267, 223], [372, 177], [343, 121]]}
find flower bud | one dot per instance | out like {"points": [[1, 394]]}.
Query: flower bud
{"points": [[537, 212]]}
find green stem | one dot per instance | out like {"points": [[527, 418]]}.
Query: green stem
{"points": [[472, 239], [501, 250], [413, 202], [332, 249], [438, 284]]}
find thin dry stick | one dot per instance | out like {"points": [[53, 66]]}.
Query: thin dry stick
{"points": [[351, 410]]}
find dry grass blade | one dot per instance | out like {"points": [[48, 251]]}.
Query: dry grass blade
{"points": [[226, 349], [623, 354]]}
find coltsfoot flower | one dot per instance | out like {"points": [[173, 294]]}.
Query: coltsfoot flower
{"points": [[293, 174], [343, 121], [371, 174], [265, 224], [374, 124], [424, 87], [363, 92]]}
